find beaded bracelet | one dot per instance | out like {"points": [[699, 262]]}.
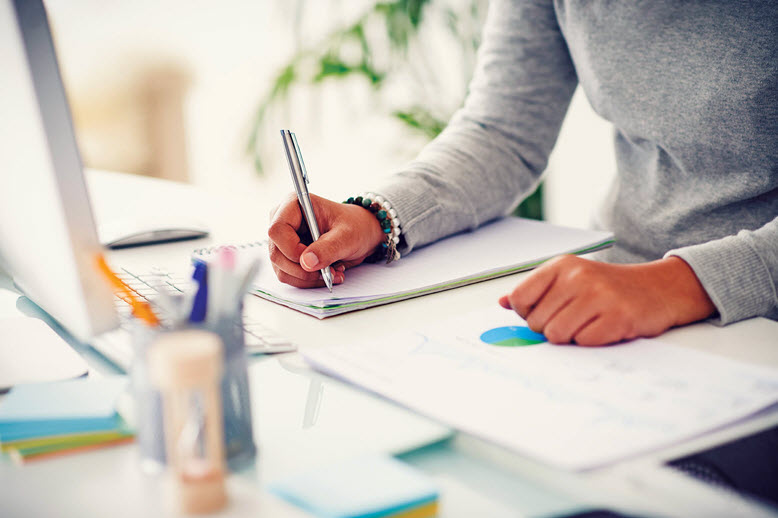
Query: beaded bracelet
{"points": [[390, 225]]}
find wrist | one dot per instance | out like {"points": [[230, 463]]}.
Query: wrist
{"points": [[388, 223], [683, 292], [375, 233]]}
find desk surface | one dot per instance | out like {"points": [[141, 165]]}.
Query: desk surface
{"points": [[476, 478]]}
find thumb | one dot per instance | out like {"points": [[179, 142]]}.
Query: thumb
{"points": [[335, 245]]}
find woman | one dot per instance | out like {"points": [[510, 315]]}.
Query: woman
{"points": [[691, 89]]}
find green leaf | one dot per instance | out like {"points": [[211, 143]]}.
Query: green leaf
{"points": [[351, 50], [284, 80], [331, 66], [421, 120]]}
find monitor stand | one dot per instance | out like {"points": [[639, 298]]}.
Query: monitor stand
{"points": [[30, 351]]}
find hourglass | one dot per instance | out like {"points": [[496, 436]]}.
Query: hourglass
{"points": [[186, 366]]}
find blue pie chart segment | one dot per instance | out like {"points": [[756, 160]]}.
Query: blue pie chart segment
{"points": [[512, 336]]}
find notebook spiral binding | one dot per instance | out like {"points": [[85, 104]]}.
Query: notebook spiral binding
{"points": [[210, 250]]}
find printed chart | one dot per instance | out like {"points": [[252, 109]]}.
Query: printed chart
{"points": [[512, 336], [588, 407]]}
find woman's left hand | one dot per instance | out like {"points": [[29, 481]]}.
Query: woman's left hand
{"points": [[576, 300]]}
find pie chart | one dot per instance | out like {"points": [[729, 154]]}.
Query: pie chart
{"points": [[512, 336]]}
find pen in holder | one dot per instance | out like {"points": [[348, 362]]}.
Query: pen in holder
{"points": [[217, 307]]}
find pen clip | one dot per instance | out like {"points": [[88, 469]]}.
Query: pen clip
{"points": [[299, 157]]}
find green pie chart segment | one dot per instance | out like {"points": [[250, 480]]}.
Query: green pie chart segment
{"points": [[512, 336]]}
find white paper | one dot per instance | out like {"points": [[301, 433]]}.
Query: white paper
{"points": [[502, 247], [573, 407]]}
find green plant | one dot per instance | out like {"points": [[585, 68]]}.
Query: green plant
{"points": [[379, 45]]}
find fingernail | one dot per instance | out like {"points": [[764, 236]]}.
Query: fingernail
{"points": [[339, 277], [309, 260]]}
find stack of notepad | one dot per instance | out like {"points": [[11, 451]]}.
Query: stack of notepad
{"points": [[500, 248], [40, 420], [371, 486]]}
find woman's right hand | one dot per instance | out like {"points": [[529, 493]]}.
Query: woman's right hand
{"points": [[349, 234]]}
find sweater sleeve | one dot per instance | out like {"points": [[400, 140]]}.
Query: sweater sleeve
{"points": [[495, 148], [739, 273]]}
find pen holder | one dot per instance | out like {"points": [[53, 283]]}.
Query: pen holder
{"points": [[236, 401], [239, 444]]}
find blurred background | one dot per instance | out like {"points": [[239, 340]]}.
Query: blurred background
{"points": [[196, 91]]}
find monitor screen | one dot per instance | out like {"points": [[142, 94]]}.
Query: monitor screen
{"points": [[48, 241]]}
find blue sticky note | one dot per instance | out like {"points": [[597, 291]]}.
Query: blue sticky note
{"points": [[371, 486], [72, 406]]}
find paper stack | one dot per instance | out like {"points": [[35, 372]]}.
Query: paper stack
{"points": [[576, 408], [41, 420]]}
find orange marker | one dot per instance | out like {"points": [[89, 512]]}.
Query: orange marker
{"points": [[140, 308]]}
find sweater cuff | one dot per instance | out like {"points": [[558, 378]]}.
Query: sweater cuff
{"points": [[415, 212], [734, 276]]}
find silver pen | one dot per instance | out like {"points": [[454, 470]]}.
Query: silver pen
{"points": [[300, 181]]}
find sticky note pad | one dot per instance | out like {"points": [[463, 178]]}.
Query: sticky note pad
{"points": [[63, 407], [374, 486]]}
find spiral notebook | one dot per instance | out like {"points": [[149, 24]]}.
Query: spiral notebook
{"points": [[500, 248]]}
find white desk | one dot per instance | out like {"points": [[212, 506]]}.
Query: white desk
{"points": [[477, 479]]}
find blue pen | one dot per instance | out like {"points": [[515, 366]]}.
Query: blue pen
{"points": [[201, 297]]}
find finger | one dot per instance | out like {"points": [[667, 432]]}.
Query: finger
{"points": [[530, 290], [296, 281], [315, 282], [334, 245], [600, 331], [287, 210], [282, 263], [555, 298], [283, 229], [565, 323], [343, 265]]}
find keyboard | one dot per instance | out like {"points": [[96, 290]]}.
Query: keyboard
{"points": [[116, 345]]}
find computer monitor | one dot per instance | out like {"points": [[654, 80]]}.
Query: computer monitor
{"points": [[48, 238]]}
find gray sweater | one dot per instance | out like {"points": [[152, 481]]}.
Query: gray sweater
{"points": [[691, 89]]}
